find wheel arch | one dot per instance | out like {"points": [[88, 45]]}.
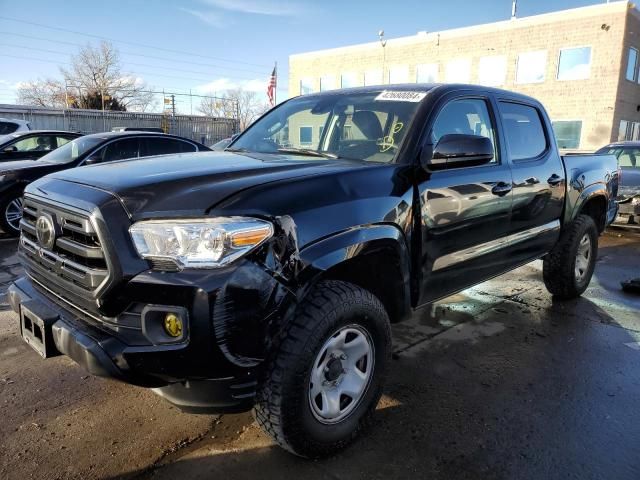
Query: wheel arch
{"points": [[374, 257], [593, 203]]}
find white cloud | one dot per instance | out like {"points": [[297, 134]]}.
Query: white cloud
{"points": [[220, 85], [260, 7], [11, 85], [209, 17]]}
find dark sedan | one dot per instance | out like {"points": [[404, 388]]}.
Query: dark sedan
{"points": [[628, 155], [32, 144], [86, 150]]}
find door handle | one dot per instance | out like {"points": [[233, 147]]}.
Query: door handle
{"points": [[501, 189], [554, 180]]}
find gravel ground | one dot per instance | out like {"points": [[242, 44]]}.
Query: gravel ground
{"points": [[498, 382]]}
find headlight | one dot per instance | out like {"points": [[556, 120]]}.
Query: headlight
{"points": [[199, 243]]}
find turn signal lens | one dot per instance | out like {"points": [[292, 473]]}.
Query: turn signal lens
{"points": [[249, 238], [173, 325]]}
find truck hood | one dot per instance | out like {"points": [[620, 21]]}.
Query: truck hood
{"points": [[191, 184]]}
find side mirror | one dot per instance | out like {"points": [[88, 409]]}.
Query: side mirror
{"points": [[93, 159], [459, 150]]}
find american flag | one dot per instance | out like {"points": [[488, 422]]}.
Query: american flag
{"points": [[271, 88]]}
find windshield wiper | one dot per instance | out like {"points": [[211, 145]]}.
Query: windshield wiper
{"points": [[241, 150], [308, 152]]}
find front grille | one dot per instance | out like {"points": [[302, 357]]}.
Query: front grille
{"points": [[76, 258]]}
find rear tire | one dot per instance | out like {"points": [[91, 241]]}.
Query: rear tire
{"points": [[568, 268], [325, 372], [11, 212]]}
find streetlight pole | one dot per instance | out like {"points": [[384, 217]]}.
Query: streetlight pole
{"points": [[383, 42]]}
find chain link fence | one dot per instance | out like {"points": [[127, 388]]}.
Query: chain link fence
{"points": [[206, 130]]}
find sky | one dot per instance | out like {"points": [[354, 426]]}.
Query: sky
{"points": [[208, 46]]}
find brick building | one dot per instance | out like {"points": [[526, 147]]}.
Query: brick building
{"points": [[583, 64]]}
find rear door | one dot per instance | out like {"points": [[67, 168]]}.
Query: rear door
{"points": [[538, 179], [465, 211]]}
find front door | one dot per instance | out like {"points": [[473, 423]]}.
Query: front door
{"points": [[464, 211]]}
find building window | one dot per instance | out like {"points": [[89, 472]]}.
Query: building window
{"points": [[622, 131], [567, 133], [348, 80], [306, 86], [427, 73], [531, 67], [306, 135], [574, 63], [492, 71], [523, 129], [327, 82], [632, 64], [399, 74], [373, 77], [458, 71]]}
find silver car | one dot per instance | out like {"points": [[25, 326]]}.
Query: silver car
{"points": [[628, 155]]}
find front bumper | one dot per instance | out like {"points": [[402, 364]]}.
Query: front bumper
{"points": [[215, 385]]}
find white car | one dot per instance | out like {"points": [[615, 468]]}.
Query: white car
{"points": [[12, 125]]}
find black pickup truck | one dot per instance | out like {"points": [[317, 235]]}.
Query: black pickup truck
{"points": [[266, 276]]}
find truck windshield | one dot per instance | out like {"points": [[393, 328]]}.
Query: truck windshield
{"points": [[361, 126], [72, 150]]}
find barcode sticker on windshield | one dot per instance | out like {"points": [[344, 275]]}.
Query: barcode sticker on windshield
{"points": [[398, 96]]}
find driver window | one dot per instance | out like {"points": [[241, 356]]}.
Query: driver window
{"points": [[44, 143], [120, 150], [468, 116]]}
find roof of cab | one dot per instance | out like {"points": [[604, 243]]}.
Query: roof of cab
{"points": [[442, 88]]}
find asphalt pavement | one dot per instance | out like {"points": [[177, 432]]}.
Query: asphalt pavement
{"points": [[498, 382]]}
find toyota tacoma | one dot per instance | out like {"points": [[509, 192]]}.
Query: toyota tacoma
{"points": [[267, 276]]}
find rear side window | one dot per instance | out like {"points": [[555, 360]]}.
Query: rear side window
{"points": [[523, 130], [8, 127], [164, 146]]}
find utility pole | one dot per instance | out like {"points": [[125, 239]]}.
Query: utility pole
{"points": [[514, 9]]}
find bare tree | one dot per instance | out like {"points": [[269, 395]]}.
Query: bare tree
{"points": [[42, 93], [95, 80], [237, 103], [96, 72]]}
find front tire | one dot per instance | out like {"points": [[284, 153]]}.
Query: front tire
{"points": [[11, 212], [568, 268], [326, 371]]}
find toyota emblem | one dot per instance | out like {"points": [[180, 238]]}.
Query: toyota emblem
{"points": [[45, 231]]}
